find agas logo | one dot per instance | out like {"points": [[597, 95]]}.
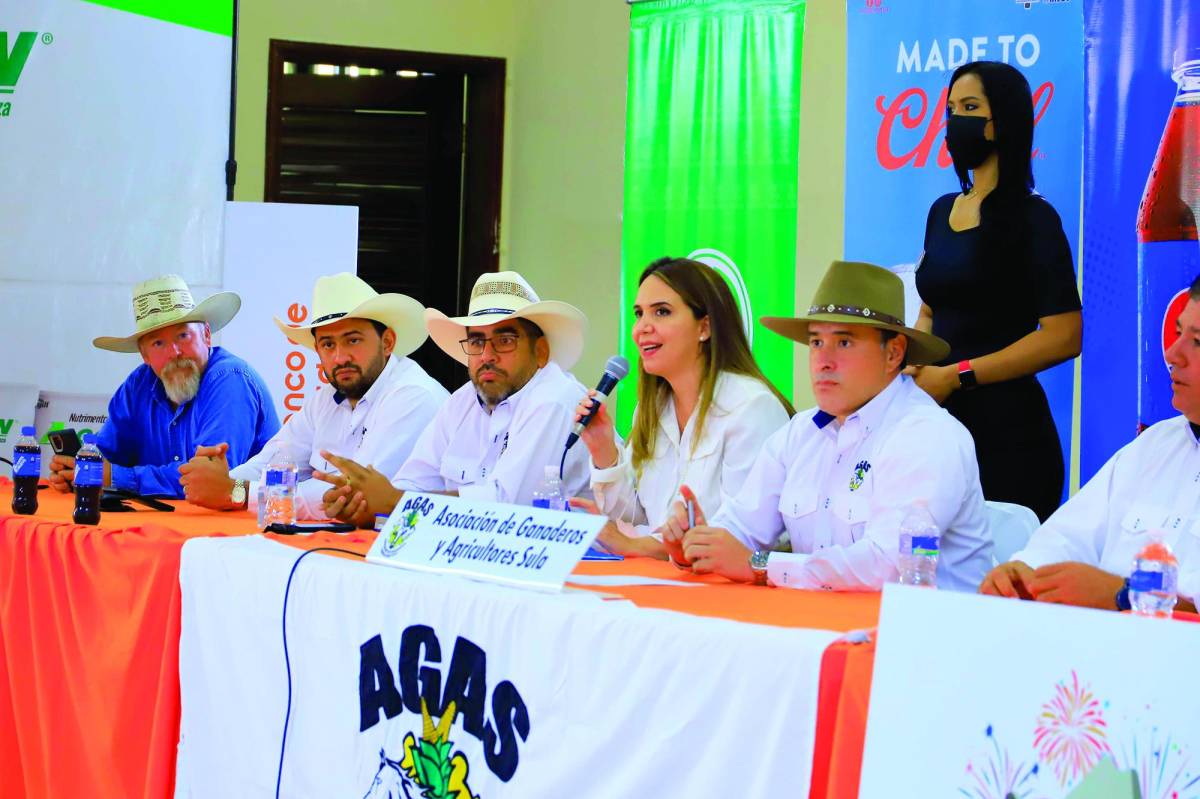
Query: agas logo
{"points": [[428, 769], [431, 767], [401, 527]]}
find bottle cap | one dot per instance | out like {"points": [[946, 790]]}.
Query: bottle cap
{"points": [[89, 438], [29, 430]]}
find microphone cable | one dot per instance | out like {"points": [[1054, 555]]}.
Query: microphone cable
{"points": [[287, 659]]}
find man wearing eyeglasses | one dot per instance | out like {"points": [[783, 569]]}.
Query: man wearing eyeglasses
{"points": [[497, 434]]}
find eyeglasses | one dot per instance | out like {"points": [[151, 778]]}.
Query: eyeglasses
{"points": [[504, 342]]}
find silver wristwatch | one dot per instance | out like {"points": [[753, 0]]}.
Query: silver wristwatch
{"points": [[758, 564], [238, 495]]}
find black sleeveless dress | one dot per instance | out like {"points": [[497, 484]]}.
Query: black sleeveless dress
{"points": [[985, 295]]}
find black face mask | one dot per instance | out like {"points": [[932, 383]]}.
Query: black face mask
{"points": [[965, 140]]}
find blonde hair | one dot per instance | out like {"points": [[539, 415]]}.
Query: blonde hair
{"points": [[725, 350]]}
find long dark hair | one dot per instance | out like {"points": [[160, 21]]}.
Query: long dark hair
{"points": [[1003, 226], [726, 350], [1011, 102]]}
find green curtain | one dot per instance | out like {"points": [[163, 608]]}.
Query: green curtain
{"points": [[711, 156]]}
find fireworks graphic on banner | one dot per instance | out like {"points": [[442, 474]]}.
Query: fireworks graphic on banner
{"points": [[1162, 767], [1071, 732], [995, 776]]}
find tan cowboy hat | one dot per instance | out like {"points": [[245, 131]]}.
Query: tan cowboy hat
{"points": [[506, 295], [165, 301], [347, 296], [861, 294]]}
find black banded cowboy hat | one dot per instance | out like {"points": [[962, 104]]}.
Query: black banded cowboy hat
{"points": [[861, 294], [498, 296], [347, 296], [164, 301]]}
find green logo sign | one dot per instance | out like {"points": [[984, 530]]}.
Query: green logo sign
{"points": [[13, 61]]}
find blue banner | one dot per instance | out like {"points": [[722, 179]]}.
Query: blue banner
{"points": [[900, 55], [1141, 138]]}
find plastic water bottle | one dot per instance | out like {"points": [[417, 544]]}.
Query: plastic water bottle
{"points": [[27, 468], [1153, 583], [88, 481], [261, 504], [920, 540], [280, 479], [549, 494]]}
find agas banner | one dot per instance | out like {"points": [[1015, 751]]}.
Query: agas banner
{"points": [[405, 685], [900, 55], [711, 157]]}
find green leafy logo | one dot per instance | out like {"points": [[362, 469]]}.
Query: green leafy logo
{"points": [[429, 764], [398, 532], [860, 474], [431, 761]]}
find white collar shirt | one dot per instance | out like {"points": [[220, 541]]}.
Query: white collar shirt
{"points": [[1152, 484], [841, 492], [501, 456], [380, 430], [743, 414]]}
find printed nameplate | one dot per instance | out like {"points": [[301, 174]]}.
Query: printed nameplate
{"points": [[511, 544]]}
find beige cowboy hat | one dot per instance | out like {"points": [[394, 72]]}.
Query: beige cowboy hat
{"points": [[506, 295], [347, 296], [861, 294], [164, 301]]}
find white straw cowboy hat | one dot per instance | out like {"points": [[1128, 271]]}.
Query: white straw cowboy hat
{"points": [[164, 301], [498, 296], [861, 294], [347, 296]]}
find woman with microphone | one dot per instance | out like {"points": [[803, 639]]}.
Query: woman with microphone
{"points": [[997, 281], [704, 408]]}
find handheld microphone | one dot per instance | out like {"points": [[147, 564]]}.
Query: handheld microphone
{"points": [[616, 368]]}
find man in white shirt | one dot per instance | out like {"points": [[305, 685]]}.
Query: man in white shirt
{"points": [[839, 478], [1149, 488], [496, 436], [377, 403]]}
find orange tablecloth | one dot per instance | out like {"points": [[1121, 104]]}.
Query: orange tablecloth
{"points": [[89, 629], [89, 646]]}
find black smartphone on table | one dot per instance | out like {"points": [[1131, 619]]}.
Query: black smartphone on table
{"points": [[65, 442]]}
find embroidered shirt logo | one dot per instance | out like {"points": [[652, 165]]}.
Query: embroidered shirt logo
{"points": [[860, 473]]}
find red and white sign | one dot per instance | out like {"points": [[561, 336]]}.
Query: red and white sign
{"points": [[274, 253]]}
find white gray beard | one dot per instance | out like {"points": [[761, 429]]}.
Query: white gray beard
{"points": [[181, 382]]}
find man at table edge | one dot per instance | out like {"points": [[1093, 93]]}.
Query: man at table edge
{"points": [[1079, 556], [187, 393]]}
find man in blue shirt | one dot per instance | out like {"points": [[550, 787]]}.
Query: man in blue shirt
{"points": [[186, 393]]}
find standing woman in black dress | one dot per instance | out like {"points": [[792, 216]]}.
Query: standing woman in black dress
{"points": [[997, 280]]}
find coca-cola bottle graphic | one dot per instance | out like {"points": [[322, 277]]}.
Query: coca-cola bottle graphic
{"points": [[1168, 251]]}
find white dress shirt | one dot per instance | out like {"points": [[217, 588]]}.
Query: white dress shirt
{"points": [[380, 431], [1150, 484], [842, 491], [501, 456], [743, 414]]}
